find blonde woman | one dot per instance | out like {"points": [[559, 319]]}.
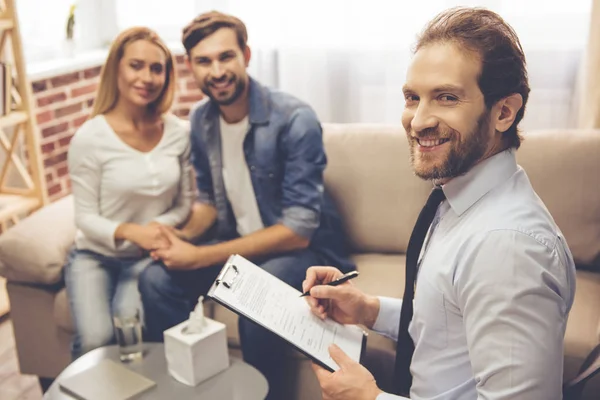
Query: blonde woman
{"points": [[130, 174]]}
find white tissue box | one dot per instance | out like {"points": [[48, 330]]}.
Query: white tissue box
{"points": [[194, 357]]}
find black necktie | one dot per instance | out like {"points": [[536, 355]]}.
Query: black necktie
{"points": [[405, 345]]}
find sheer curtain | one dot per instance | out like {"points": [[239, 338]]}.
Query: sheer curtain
{"points": [[348, 58]]}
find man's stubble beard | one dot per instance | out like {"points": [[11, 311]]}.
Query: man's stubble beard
{"points": [[239, 87], [462, 156]]}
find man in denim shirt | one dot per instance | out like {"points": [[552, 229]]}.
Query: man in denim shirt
{"points": [[259, 161]]}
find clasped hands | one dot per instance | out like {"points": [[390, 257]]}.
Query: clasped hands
{"points": [[166, 243], [346, 305]]}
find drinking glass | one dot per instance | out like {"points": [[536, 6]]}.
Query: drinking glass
{"points": [[128, 330]]}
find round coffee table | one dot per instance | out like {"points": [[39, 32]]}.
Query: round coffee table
{"points": [[238, 382]]}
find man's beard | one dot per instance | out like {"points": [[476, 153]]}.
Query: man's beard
{"points": [[461, 157], [239, 86]]}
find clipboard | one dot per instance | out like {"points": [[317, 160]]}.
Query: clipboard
{"points": [[251, 292]]}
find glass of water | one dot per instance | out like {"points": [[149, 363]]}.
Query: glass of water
{"points": [[128, 330]]}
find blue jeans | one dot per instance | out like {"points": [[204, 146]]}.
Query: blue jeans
{"points": [[169, 296], [98, 287]]}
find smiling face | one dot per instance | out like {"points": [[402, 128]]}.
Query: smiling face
{"points": [[447, 124], [219, 66], [142, 73]]}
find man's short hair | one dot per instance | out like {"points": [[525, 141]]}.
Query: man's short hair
{"points": [[487, 35], [208, 23]]}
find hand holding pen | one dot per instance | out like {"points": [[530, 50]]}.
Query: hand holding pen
{"points": [[339, 281], [332, 295]]}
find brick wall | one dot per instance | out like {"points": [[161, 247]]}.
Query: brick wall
{"points": [[64, 102]]}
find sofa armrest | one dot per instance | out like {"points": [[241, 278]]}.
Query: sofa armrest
{"points": [[35, 249]]}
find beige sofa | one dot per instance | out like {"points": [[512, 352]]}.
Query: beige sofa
{"points": [[369, 176]]}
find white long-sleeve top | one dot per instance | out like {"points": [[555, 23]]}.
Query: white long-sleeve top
{"points": [[114, 183]]}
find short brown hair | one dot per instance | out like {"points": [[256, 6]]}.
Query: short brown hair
{"points": [[485, 33], [108, 92], [208, 23]]}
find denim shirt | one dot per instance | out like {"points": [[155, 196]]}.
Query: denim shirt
{"points": [[286, 159]]}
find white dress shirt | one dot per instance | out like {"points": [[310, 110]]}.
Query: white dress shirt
{"points": [[495, 285], [115, 183], [236, 177]]}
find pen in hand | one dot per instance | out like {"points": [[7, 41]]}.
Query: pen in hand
{"points": [[339, 281]]}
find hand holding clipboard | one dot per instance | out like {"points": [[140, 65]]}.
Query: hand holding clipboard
{"points": [[252, 292]]}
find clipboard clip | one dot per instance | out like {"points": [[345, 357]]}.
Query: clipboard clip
{"points": [[223, 275]]}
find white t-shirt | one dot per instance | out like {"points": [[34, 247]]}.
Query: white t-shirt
{"points": [[236, 176], [114, 183]]}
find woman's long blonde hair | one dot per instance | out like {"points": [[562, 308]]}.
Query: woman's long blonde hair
{"points": [[108, 91]]}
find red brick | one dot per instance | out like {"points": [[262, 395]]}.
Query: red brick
{"points": [[183, 73], [65, 141], [47, 148], [50, 161], [39, 86], [191, 85], [63, 80], [190, 98], [44, 117], [54, 98], [54, 189], [182, 112], [84, 90], [62, 171], [73, 108], [180, 59], [92, 72], [53, 130], [77, 122]]}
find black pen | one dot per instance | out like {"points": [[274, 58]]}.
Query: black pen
{"points": [[344, 278]]}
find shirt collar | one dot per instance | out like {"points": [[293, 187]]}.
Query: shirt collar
{"points": [[465, 190]]}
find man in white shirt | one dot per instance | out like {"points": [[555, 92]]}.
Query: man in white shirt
{"points": [[496, 279], [259, 158]]}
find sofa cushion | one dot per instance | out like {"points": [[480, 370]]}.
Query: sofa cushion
{"points": [[371, 181], [380, 274], [35, 249], [583, 329], [563, 167], [62, 311]]}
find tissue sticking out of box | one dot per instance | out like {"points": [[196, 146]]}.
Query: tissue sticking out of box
{"points": [[196, 322]]}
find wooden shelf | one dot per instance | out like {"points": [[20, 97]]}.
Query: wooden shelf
{"points": [[14, 118], [13, 206], [20, 156], [6, 23]]}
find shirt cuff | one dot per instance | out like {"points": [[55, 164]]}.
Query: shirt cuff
{"points": [[388, 319], [301, 220], [205, 198]]}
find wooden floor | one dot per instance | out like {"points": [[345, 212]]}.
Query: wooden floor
{"points": [[14, 386]]}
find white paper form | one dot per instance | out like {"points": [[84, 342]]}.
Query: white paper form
{"points": [[251, 291]]}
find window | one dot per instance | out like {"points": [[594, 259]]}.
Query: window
{"points": [[43, 27], [167, 21]]}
